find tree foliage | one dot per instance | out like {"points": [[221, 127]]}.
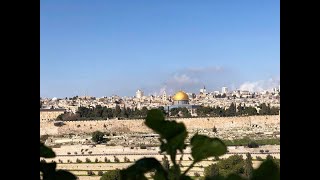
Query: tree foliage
{"points": [[248, 168], [48, 170], [111, 175], [97, 137]]}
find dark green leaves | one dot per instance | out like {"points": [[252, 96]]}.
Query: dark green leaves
{"points": [[64, 175], [204, 147], [49, 169], [46, 152], [172, 132], [267, 170], [142, 166]]}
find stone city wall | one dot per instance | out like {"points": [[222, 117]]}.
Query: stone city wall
{"points": [[139, 126]]}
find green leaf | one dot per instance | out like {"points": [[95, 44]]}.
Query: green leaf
{"points": [[215, 178], [234, 177], [267, 170], [64, 175], [174, 133], [142, 166], [48, 170], [204, 147], [46, 152]]}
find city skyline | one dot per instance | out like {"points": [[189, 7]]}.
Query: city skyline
{"points": [[106, 48]]}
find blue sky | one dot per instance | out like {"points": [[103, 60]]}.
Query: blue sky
{"points": [[101, 48]]}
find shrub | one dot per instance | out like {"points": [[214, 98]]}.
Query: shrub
{"points": [[96, 160], [269, 156], [116, 159], [196, 174], [75, 153], [126, 159], [78, 161], [259, 158], [97, 137], [100, 173], [90, 152], [111, 175], [105, 159], [253, 144], [216, 158], [143, 147], [68, 153], [261, 151], [90, 173], [88, 160], [211, 170]]}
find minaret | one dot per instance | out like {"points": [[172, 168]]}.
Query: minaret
{"points": [[164, 96]]}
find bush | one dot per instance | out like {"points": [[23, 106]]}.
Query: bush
{"points": [[96, 160], [97, 137], [90, 173], [196, 174], [211, 170], [216, 158], [111, 175], [259, 158], [126, 159], [143, 147], [261, 151], [100, 173], [68, 153], [253, 144], [88, 160], [116, 159], [78, 161], [105, 159], [269, 156]]}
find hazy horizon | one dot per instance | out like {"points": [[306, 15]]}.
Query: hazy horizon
{"points": [[101, 48]]}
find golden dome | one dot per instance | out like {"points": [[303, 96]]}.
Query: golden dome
{"points": [[180, 96]]}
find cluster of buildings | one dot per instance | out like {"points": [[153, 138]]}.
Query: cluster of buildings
{"points": [[180, 99]]}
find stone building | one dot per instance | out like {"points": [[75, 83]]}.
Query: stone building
{"points": [[50, 114]]}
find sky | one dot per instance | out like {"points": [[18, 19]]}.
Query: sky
{"points": [[115, 47]]}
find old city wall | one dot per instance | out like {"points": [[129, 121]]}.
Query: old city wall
{"points": [[138, 125]]}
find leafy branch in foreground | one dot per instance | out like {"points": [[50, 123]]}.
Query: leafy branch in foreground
{"points": [[172, 138], [48, 170]]}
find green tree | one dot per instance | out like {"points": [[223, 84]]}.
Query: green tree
{"points": [[117, 111], [174, 111], [185, 112], [111, 175], [240, 110], [165, 163], [248, 168], [211, 171], [144, 111], [97, 137], [231, 111], [233, 164]]}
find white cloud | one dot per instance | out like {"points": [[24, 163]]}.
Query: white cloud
{"points": [[260, 85]]}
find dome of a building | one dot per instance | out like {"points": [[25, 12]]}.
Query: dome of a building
{"points": [[180, 96]]}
